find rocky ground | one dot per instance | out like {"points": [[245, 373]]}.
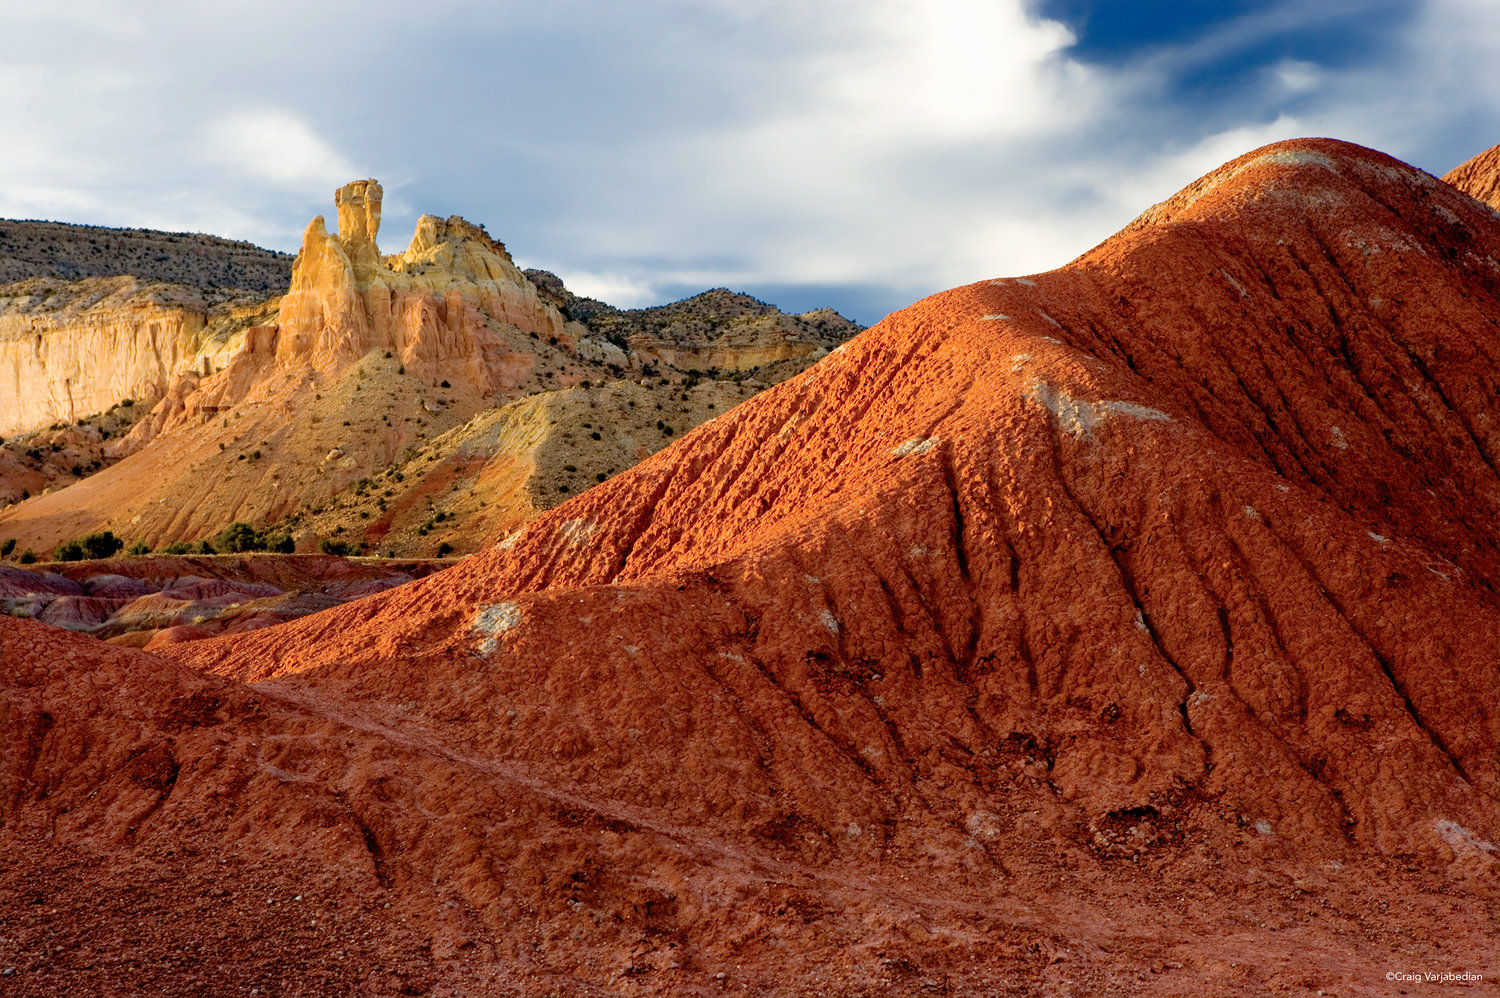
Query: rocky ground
{"points": [[54, 458], [150, 600], [63, 252], [468, 488]]}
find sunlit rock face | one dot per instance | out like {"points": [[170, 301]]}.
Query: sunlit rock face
{"points": [[73, 348], [450, 303]]}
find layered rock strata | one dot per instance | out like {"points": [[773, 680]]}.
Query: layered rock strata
{"points": [[70, 350]]}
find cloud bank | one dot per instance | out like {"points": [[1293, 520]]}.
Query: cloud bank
{"points": [[854, 154]]}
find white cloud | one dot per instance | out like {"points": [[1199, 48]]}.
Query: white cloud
{"points": [[277, 146], [637, 148], [1296, 76], [619, 290]]}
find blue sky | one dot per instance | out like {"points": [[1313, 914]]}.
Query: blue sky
{"points": [[855, 154]]}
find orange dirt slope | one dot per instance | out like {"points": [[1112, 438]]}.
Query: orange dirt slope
{"points": [[1479, 177]]}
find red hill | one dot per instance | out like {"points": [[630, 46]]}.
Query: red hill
{"points": [[1129, 628], [1479, 177]]}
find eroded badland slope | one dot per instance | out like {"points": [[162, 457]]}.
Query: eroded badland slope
{"points": [[1129, 628]]}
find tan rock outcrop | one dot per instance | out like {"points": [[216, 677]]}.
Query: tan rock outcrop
{"points": [[447, 305]]}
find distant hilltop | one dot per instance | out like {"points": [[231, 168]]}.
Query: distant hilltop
{"points": [[72, 252]]}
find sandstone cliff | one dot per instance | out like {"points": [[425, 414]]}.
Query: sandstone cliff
{"points": [[73, 349], [452, 304]]}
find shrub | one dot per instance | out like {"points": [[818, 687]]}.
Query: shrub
{"points": [[101, 545], [69, 551], [178, 547], [28, 557], [204, 547], [7, 546], [239, 537], [339, 549], [138, 548], [445, 549], [281, 544]]}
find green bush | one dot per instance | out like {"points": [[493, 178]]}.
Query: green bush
{"points": [[69, 551], [339, 549], [445, 549], [7, 547], [138, 548], [239, 537], [28, 557], [281, 544], [101, 545], [178, 547]]}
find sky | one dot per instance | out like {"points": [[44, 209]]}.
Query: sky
{"points": [[858, 154]]}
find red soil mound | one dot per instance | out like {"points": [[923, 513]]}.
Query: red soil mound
{"points": [[1130, 628], [1479, 177]]}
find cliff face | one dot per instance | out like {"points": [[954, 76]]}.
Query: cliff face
{"points": [[364, 357], [72, 349]]}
